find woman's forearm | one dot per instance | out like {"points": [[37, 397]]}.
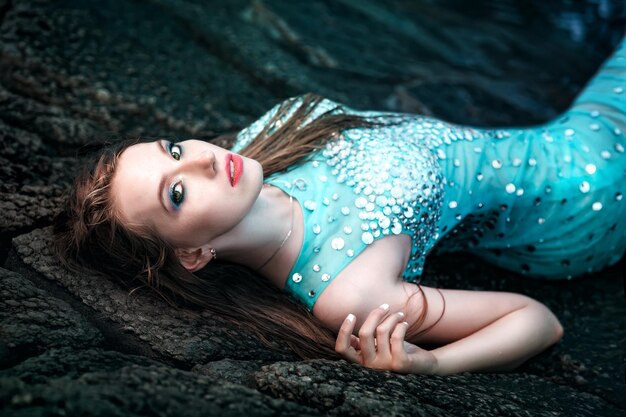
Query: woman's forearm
{"points": [[502, 345]]}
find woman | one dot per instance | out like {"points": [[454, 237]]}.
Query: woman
{"points": [[339, 208]]}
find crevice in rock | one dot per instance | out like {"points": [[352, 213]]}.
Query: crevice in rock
{"points": [[115, 337], [17, 354], [4, 9], [7, 237]]}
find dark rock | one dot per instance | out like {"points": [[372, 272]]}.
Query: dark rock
{"points": [[76, 74], [31, 321], [99, 383], [339, 388], [71, 362], [175, 334], [29, 206], [237, 372]]}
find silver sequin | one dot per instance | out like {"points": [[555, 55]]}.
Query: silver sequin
{"points": [[296, 277], [584, 187], [360, 202], [337, 243], [367, 238]]}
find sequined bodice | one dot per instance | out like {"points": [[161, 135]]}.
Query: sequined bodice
{"points": [[545, 201], [358, 189]]}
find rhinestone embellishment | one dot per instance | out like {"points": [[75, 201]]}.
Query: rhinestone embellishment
{"points": [[337, 243]]}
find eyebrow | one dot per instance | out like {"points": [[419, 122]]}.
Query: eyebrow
{"points": [[162, 180]]}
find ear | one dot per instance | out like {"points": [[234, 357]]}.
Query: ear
{"points": [[194, 259]]}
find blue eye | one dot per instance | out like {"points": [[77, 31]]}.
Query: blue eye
{"points": [[177, 194], [175, 150]]}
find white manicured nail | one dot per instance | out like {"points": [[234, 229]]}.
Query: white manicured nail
{"points": [[384, 306], [405, 322], [350, 317], [401, 314]]}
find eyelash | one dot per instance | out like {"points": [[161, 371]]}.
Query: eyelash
{"points": [[171, 146], [177, 191]]}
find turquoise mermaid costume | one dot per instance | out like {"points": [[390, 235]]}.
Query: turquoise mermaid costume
{"points": [[544, 201]]}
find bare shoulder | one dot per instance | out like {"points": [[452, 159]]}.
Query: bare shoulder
{"points": [[372, 276]]}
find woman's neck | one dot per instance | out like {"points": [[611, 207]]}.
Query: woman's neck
{"points": [[256, 241]]}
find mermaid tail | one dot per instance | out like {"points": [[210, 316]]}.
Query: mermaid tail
{"points": [[571, 217]]}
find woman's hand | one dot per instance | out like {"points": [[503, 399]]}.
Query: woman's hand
{"points": [[381, 344]]}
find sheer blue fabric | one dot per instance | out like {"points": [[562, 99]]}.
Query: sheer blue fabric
{"points": [[545, 201]]}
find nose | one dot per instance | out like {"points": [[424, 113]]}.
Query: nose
{"points": [[204, 162]]}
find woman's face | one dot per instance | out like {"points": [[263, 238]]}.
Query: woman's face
{"points": [[190, 192]]}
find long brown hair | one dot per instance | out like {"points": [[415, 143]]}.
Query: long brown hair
{"points": [[88, 233]]}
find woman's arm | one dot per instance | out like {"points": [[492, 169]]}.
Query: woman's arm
{"points": [[504, 344], [482, 331]]}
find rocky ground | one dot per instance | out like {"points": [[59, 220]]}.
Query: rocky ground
{"points": [[76, 74]]}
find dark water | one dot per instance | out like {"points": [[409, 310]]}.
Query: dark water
{"points": [[585, 22]]}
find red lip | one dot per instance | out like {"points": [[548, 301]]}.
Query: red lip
{"points": [[237, 168]]}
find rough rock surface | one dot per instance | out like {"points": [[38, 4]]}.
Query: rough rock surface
{"points": [[100, 383], [348, 389], [76, 74], [31, 321], [172, 333]]}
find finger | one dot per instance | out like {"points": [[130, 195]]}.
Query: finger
{"points": [[343, 344], [354, 342], [397, 343], [383, 334], [367, 332]]}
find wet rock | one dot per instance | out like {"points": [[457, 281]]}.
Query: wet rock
{"points": [[32, 321]]}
